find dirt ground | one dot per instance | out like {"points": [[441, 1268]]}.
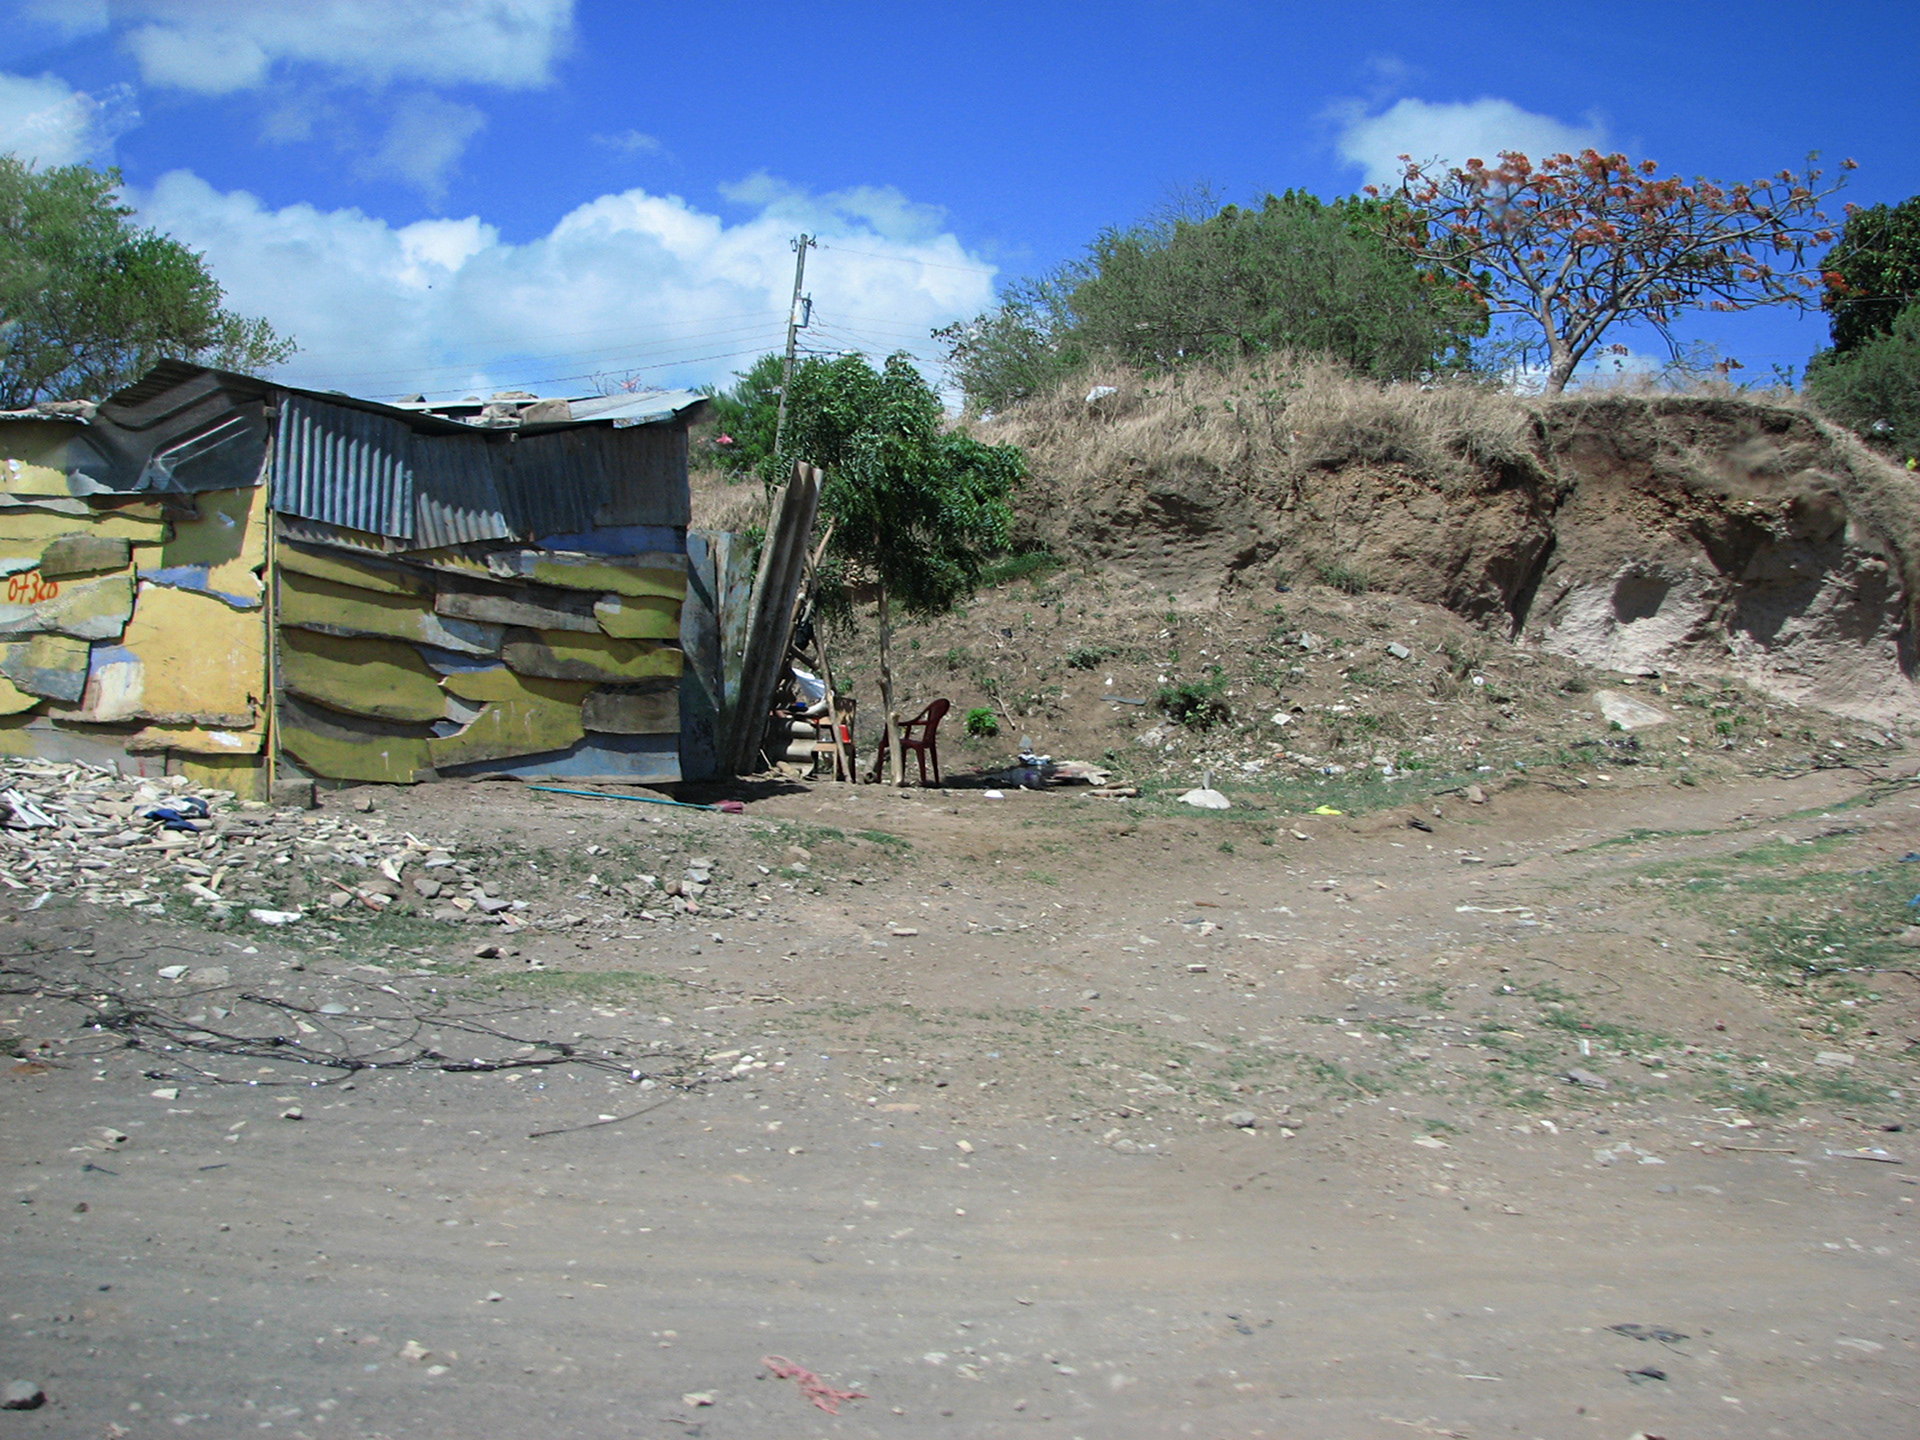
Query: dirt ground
{"points": [[1043, 1115]]}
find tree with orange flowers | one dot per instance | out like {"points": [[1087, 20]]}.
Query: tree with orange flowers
{"points": [[1577, 244]]}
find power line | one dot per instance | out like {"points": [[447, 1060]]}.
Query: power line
{"points": [[905, 260], [596, 374], [554, 355]]}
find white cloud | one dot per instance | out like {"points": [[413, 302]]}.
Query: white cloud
{"points": [[1453, 132], [217, 47], [631, 142], [69, 17], [426, 140], [629, 283], [45, 121], [879, 207]]}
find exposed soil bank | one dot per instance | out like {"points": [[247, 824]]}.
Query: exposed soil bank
{"points": [[1671, 534]]}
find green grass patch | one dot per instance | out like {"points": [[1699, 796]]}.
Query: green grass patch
{"points": [[1030, 565]]}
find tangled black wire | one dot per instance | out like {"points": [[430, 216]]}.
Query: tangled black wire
{"points": [[323, 1039]]}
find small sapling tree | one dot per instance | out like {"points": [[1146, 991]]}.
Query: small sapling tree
{"points": [[915, 507], [1577, 244]]}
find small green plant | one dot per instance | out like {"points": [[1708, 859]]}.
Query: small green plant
{"points": [[1196, 704], [1464, 657], [1085, 657], [1342, 577], [982, 723], [1033, 565]]}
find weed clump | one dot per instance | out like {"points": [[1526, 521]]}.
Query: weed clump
{"points": [[1196, 704]]}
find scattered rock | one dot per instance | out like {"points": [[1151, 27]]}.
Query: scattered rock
{"points": [[1475, 795], [1242, 1119], [1399, 651], [413, 1350], [696, 1398], [22, 1395], [1587, 1079], [1627, 712], [293, 1112], [276, 917], [105, 1137]]}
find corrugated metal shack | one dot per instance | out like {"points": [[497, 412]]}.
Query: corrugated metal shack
{"points": [[498, 588]]}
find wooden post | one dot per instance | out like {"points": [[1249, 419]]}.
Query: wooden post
{"points": [[770, 626], [895, 756]]}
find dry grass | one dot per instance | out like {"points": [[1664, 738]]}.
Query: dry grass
{"points": [[1270, 424], [722, 504]]}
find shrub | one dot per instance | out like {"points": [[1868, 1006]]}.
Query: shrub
{"points": [[982, 724], [1085, 657], [1345, 578], [1196, 704]]}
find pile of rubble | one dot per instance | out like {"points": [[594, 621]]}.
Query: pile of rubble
{"points": [[148, 844], [85, 832]]}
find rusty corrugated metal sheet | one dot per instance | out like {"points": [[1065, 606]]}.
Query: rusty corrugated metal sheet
{"points": [[592, 475], [347, 467], [557, 482], [457, 490]]}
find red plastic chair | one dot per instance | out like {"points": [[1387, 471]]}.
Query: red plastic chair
{"points": [[916, 738]]}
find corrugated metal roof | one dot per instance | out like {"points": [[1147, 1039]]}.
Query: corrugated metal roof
{"points": [[644, 408], [532, 414], [457, 490], [344, 466], [183, 429], [407, 474]]}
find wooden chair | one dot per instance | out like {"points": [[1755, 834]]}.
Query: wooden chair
{"points": [[917, 737]]}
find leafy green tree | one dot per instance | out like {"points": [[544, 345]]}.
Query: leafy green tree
{"points": [[1874, 387], [1872, 273], [1023, 346], [915, 507], [1293, 273], [1870, 379], [88, 300], [746, 415]]}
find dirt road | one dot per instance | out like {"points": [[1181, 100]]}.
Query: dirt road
{"points": [[1037, 1116]]}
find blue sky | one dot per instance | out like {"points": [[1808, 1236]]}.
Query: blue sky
{"points": [[455, 196]]}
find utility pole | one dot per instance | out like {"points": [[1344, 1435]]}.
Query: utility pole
{"points": [[800, 246]]}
